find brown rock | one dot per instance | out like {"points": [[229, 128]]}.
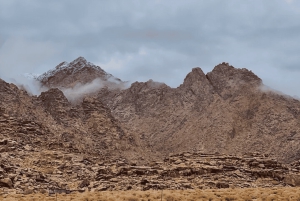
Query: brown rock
{"points": [[225, 111], [6, 182], [84, 183], [79, 71], [292, 179], [222, 185]]}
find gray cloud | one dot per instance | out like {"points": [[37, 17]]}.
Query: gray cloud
{"points": [[159, 40]]}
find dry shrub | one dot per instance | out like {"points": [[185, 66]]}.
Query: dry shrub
{"points": [[229, 198], [132, 199], [170, 198], [262, 194]]}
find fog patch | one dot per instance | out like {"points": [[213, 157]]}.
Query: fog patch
{"points": [[154, 84], [267, 89], [79, 91], [30, 85]]}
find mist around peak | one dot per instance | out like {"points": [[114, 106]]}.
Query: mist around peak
{"points": [[268, 89], [79, 91], [30, 85]]}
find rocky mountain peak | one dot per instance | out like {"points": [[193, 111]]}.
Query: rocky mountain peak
{"points": [[80, 62], [197, 84], [80, 59], [196, 76], [225, 70], [228, 80], [142, 87], [67, 75]]}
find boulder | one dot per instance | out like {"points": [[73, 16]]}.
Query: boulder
{"points": [[222, 185], [292, 179], [84, 183], [6, 182]]}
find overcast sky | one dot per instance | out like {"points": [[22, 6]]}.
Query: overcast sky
{"points": [[159, 39]]}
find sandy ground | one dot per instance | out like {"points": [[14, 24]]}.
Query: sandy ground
{"points": [[267, 194]]}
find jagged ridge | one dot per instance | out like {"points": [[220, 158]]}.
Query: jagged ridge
{"points": [[224, 111]]}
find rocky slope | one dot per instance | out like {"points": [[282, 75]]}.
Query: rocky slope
{"points": [[224, 111], [49, 121]]}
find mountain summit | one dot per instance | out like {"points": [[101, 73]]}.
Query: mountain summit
{"points": [[67, 75]]}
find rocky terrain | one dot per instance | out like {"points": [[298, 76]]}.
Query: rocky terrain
{"points": [[149, 135], [226, 110], [49, 121], [28, 170]]}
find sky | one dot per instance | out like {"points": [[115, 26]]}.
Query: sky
{"points": [[162, 40]]}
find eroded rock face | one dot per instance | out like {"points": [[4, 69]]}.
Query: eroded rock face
{"points": [[197, 83], [224, 111], [55, 103], [228, 81]]}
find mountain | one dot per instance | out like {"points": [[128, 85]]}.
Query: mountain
{"points": [[79, 71], [50, 121], [223, 125], [224, 111]]}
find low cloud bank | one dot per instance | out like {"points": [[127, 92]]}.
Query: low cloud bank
{"points": [[79, 91]]}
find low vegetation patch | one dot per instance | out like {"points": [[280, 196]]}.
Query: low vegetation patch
{"points": [[258, 194]]}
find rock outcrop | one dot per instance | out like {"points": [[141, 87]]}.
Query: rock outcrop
{"points": [[31, 171]]}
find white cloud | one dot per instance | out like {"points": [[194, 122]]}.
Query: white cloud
{"points": [[77, 92], [289, 1]]}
